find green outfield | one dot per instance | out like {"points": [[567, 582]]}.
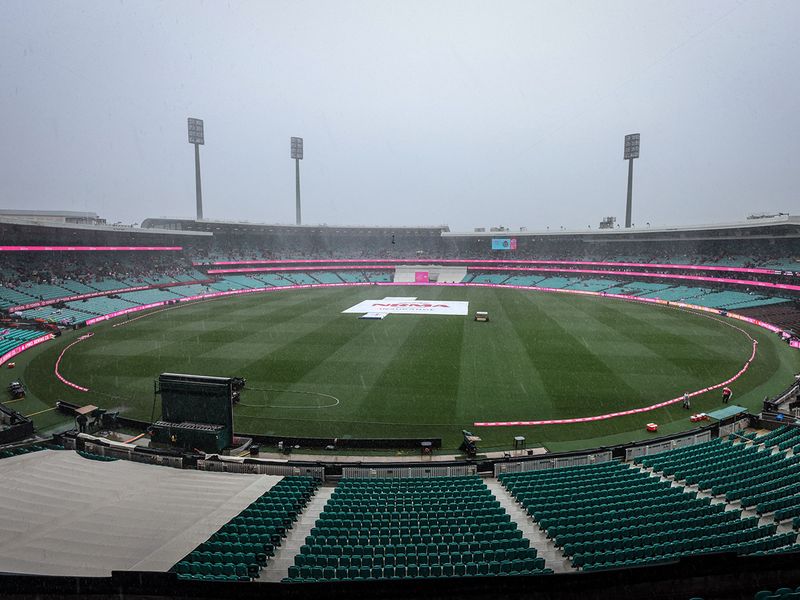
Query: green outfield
{"points": [[313, 371]]}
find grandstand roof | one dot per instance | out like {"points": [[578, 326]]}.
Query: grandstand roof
{"points": [[48, 213], [783, 226], [184, 224], [772, 227], [6, 218]]}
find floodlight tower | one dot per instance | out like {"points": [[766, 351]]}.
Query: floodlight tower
{"points": [[631, 152], [197, 138], [297, 155]]}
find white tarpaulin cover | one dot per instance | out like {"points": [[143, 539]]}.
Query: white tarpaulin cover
{"points": [[411, 306], [63, 514]]}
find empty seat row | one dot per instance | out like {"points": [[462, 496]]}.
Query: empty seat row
{"points": [[651, 521], [310, 574], [417, 527], [241, 548]]}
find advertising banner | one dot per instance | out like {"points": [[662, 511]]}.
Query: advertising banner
{"points": [[410, 307]]}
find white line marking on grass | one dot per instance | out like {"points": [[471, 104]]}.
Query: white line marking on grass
{"points": [[41, 411], [155, 312], [336, 400]]}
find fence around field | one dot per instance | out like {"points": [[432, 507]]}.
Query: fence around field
{"points": [[552, 462], [254, 466], [400, 472]]}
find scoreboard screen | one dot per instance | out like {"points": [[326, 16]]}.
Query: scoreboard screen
{"points": [[504, 243], [197, 399]]}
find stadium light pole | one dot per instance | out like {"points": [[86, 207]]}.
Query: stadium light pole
{"points": [[631, 152], [196, 137], [297, 155]]}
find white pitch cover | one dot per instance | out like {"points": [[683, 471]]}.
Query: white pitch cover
{"points": [[411, 306]]}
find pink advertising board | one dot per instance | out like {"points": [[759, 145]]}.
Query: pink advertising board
{"points": [[495, 261], [86, 248], [29, 344]]}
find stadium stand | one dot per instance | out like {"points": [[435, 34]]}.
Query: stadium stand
{"points": [[734, 470], [77, 311], [590, 285], [62, 316], [378, 277], [784, 315], [513, 280], [107, 285], [28, 278], [678, 293], [325, 277], [241, 548], [555, 282], [43, 291], [352, 276], [602, 517], [413, 528], [12, 297], [195, 289], [11, 338], [28, 449], [611, 516], [639, 288], [101, 305], [489, 278], [274, 280], [97, 457], [77, 287], [149, 296], [241, 282], [783, 593], [299, 279]]}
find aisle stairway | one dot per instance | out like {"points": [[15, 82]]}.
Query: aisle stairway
{"points": [[553, 557], [414, 527], [278, 566]]}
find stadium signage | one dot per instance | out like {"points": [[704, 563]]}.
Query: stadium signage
{"points": [[280, 265], [504, 243], [76, 297], [87, 248], [30, 344], [410, 306]]}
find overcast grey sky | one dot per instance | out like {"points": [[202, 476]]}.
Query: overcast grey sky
{"points": [[413, 112]]}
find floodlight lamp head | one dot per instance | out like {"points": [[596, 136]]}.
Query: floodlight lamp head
{"points": [[632, 145], [196, 134], [297, 148]]}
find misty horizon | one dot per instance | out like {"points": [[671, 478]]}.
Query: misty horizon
{"points": [[448, 113]]}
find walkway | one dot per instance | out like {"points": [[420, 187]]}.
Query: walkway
{"points": [[278, 567], [553, 557]]}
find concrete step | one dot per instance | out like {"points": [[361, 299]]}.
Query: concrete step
{"points": [[278, 566], [553, 557]]}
